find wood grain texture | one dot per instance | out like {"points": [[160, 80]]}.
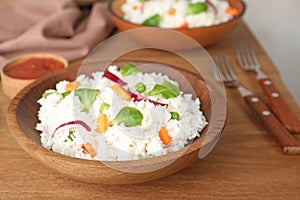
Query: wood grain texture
{"points": [[279, 106], [245, 163]]}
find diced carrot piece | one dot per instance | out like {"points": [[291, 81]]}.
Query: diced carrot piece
{"points": [[102, 123], [164, 136], [184, 25], [171, 12], [72, 86], [232, 11], [89, 149], [121, 92], [135, 7]]}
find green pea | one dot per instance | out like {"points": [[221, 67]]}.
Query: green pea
{"points": [[140, 87], [175, 115]]}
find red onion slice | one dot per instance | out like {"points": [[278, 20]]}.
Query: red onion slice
{"points": [[208, 2], [75, 122], [114, 78], [137, 97]]}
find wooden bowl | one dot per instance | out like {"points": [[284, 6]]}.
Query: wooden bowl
{"points": [[10, 85], [204, 35], [22, 118]]}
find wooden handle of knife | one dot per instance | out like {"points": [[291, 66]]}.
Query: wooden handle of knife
{"points": [[286, 140], [279, 106]]}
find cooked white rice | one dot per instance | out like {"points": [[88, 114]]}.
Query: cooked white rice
{"points": [[137, 12], [118, 142]]}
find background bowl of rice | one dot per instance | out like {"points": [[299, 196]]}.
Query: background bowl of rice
{"points": [[22, 118], [205, 36]]}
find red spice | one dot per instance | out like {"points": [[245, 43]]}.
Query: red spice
{"points": [[33, 68]]}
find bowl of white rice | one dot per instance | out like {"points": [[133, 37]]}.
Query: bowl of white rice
{"points": [[206, 21], [128, 122]]}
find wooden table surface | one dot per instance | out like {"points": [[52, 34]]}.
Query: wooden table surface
{"points": [[245, 164]]}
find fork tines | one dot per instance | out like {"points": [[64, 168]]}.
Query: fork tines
{"points": [[225, 69], [246, 57]]}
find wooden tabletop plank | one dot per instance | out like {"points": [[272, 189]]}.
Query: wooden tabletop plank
{"points": [[245, 164]]}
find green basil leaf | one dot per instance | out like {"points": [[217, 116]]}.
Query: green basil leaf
{"points": [[65, 94], [129, 69], [129, 116], [160, 89], [171, 87], [104, 106], [196, 8], [46, 94], [167, 90], [87, 97], [157, 89], [71, 135], [152, 21]]}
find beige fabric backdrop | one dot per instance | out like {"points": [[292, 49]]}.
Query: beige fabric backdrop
{"points": [[66, 27]]}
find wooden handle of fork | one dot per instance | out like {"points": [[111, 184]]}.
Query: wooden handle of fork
{"points": [[286, 140], [279, 106]]}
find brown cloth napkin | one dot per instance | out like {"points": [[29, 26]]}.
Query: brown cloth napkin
{"points": [[68, 28]]}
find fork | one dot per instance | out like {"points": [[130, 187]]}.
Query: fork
{"points": [[247, 60], [288, 143]]}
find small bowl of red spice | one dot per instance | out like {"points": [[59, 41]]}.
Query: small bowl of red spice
{"points": [[21, 71]]}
